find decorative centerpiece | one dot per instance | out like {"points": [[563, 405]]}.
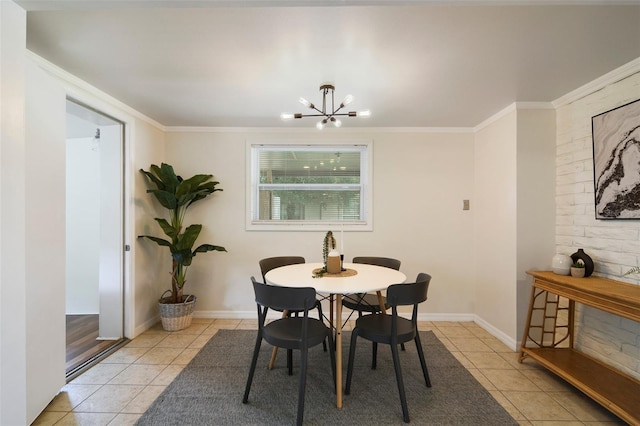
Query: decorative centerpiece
{"points": [[332, 260], [328, 245]]}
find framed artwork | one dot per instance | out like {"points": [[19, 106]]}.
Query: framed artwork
{"points": [[616, 162]]}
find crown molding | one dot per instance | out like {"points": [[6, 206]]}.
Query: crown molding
{"points": [[299, 130], [511, 108], [599, 83]]}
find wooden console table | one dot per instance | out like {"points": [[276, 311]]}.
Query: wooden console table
{"points": [[549, 336]]}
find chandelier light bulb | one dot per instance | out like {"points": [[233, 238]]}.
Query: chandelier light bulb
{"points": [[365, 113], [347, 100], [305, 102], [320, 125], [337, 123], [285, 116]]}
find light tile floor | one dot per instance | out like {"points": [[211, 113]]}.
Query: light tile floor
{"points": [[120, 388]]}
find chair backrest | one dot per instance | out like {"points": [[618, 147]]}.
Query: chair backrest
{"points": [[409, 293], [387, 262], [284, 298], [270, 263]]}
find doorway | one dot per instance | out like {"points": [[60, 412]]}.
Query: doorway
{"points": [[94, 236]]}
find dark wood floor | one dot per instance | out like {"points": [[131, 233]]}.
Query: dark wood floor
{"points": [[82, 343]]}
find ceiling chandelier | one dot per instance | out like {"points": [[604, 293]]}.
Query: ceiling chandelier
{"points": [[327, 115]]}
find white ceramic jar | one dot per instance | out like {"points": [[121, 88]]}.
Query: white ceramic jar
{"points": [[561, 264]]}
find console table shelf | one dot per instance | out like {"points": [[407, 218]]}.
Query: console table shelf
{"points": [[553, 337]]}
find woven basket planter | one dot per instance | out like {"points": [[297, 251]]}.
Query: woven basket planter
{"points": [[176, 316]]}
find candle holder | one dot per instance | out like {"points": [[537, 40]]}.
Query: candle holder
{"points": [[342, 262]]}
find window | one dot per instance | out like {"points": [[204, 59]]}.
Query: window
{"points": [[308, 187]]}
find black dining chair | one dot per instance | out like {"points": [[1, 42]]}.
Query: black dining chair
{"points": [[270, 263], [274, 262], [393, 330], [292, 333], [368, 302]]}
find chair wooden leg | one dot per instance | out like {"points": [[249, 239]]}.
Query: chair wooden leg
{"points": [[423, 364], [274, 352], [252, 369], [403, 397]]}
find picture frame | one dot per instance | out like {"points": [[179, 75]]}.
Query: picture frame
{"points": [[616, 162]]}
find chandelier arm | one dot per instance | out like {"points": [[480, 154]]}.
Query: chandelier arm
{"points": [[315, 115], [335, 111], [342, 114], [316, 109]]}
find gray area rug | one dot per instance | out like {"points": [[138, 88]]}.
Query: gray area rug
{"points": [[209, 390]]}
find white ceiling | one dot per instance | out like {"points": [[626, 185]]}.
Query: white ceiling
{"points": [[412, 63]]}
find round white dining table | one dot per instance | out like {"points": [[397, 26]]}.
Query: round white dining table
{"points": [[366, 279]]}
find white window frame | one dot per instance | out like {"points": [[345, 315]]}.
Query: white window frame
{"points": [[252, 188]]}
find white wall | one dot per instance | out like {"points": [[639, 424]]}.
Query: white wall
{"points": [[613, 245], [111, 231], [13, 312], [535, 201], [495, 184], [514, 222], [149, 266], [83, 226], [45, 238], [420, 180]]}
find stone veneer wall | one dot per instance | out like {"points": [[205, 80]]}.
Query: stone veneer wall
{"points": [[613, 245]]}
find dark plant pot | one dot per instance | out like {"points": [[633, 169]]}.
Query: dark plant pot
{"points": [[176, 316], [586, 259]]}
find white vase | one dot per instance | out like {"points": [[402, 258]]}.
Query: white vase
{"points": [[561, 264]]}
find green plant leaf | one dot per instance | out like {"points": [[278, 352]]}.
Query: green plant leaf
{"points": [[188, 238], [203, 248], [182, 256], [166, 199], [167, 176], [192, 184], [169, 230], [159, 241], [157, 182]]}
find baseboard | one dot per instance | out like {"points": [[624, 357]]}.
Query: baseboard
{"points": [[432, 317], [498, 334], [144, 326]]}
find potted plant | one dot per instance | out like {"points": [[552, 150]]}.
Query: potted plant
{"points": [[577, 269], [176, 195]]}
